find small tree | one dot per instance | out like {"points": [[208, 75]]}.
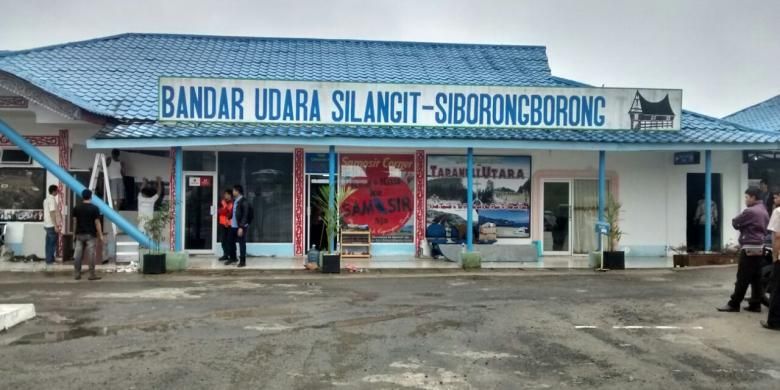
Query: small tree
{"points": [[332, 217], [612, 216], [155, 226]]}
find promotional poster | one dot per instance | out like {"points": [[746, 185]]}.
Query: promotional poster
{"points": [[384, 194], [502, 192]]}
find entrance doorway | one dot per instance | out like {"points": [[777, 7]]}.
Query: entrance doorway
{"points": [[315, 228], [570, 212], [696, 209], [556, 216], [199, 212]]}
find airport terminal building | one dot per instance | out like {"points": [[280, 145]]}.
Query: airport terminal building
{"points": [[423, 132]]}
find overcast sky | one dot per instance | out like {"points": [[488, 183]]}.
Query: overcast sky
{"points": [[724, 54]]}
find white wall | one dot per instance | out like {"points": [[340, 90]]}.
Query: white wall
{"points": [[653, 191]]}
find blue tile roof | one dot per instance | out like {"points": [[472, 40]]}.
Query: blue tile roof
{"points": [[764, 115], [117, 77], [698, 129]]}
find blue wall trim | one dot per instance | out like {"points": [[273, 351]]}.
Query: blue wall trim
{"points": [[413, 143], [264, 249], [179, 201], [392, 249]]}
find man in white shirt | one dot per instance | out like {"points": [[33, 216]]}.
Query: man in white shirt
{"points": [[51, 223], [146, 200], [773, 320], [116, 181]]}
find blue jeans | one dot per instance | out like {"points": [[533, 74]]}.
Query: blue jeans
{"points": [[51, 244]]}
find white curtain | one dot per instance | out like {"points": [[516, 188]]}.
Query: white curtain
{"points": [[586, 205]]}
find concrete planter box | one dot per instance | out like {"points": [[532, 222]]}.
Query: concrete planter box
{"points": [[471, 260], [699, 259]]}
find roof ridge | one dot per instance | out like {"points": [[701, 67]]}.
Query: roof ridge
{"points": [[247, 37], [251, 38], [752, 106], [64, 44]]}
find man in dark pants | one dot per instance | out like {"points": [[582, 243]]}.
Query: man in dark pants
{"points": [[752, 231], [89, 232], [773, 320], [242, 217]]}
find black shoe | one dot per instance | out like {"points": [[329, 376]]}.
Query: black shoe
{"points": [[241, 265], [223, 258], [94, 277], [767, 326], [729, 309], [231, 261], [104, 262], [77, 277], [754, 309]]}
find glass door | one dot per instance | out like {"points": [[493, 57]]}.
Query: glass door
{"points": [[200, 212], [557, 215]]}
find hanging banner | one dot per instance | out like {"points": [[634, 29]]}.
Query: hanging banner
{"points": [[373, 104], [384, 194], [502, 193]]}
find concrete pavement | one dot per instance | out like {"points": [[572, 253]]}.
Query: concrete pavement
{"points": [[512, 330]]}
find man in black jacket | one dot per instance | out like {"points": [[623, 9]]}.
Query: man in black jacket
{"points": [[242, 217]]}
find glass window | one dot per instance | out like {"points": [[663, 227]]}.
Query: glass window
{"points": [[502, 194], [22, 191], [384, 194], [267, 179], [200, 161]]}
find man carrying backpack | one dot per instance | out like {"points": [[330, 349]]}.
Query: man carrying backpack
{"points": [[242, 218]]}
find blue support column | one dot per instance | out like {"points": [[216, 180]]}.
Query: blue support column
{"points": [[332, 189], [72, 183], [470, 199], [179, 202], [708, 201], [602, 190]]}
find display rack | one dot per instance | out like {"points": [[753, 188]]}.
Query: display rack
{"points": [[355, 243]]}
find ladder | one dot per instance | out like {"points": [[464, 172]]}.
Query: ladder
{"points": [[120, 251]]}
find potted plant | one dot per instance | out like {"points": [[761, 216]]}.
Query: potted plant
{"points": [[154, 259], [332, 219], [613, 258]]}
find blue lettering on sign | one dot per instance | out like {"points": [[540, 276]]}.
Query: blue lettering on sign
{"points": [[574, 111], [396, 111], [238, 104], [196, 104], [441, 111], [562, 107], [600, 102], [287, 113], [338, 112], [415, 97], [301, 99], [167, 101], [224, 110], [587, 110], [536, 110], [209, 102], [274, 104], [472, 108], [315, 106], [523, 118], [182, 106]]}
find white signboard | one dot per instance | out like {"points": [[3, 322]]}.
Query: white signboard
{"points": [[365, 104]]}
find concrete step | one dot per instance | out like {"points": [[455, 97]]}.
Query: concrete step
{"points": [[12, 314]]}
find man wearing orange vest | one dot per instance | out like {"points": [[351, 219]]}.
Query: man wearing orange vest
{"points": [[225, 215]]}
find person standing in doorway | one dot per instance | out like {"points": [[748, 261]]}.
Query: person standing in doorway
{"points": [[86, 219], [147, 198], [752, 225], [242, 218], [225, 224], [51, 223], [766, 196], [773, 319], [116, 179], [701, 222]]}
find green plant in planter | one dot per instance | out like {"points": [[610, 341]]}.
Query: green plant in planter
{"points": [[154, 261], [156, 226], [332, 216], [612, 217]]}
